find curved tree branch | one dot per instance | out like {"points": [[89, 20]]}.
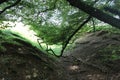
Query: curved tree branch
{"points": [[70, 37], [9, 6]]}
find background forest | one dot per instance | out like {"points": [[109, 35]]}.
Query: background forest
{"points": [[49, 29], [56, 21]]}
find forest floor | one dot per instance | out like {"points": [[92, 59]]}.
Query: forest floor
{"points": [[96, 56], [19, 60]]}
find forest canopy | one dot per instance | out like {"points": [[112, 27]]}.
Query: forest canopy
{"points": [[58, 21]]}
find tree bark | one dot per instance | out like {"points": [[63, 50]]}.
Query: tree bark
{"points": [[95, 13]]}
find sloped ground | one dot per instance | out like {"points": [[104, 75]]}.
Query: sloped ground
{"points": [[96, 56], [21, 61]]}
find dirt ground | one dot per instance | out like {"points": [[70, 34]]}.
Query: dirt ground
{"points": [[21, 63], [87, 61], [95, 57]]}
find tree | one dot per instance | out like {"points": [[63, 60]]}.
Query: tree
{"points": [[14, 4], [61, 19], [95, 13]]}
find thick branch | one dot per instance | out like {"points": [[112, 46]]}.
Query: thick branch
{"points": [[70, 37], [10, 6], [95, 13], [112, 10]]}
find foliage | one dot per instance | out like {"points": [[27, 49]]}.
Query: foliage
{"points": [[110, 53], [54, 20], [7, 36]]}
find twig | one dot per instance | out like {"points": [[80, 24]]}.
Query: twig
{"points": [[93, 23], [39, 43]]}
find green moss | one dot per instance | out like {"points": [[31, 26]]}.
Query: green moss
{"points": [[7, 37]]}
